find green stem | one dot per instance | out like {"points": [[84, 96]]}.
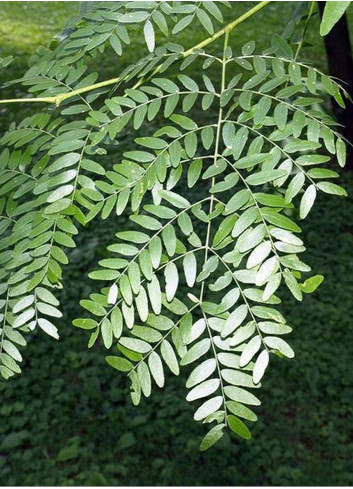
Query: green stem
{"points": [[258, 209], [49, 100], [311, 10], [242, 294], [57, 99], [208, 233], [218, 134], [217, 364], [4, 324], [228, 28]]}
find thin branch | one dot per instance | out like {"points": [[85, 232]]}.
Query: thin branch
{"points": [[57, 99]]}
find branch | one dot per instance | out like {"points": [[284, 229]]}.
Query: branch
{"points": [[57, 99]]}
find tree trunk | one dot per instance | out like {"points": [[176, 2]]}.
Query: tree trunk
{"points": [[340, 63]]}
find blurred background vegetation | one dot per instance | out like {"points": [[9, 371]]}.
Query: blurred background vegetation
{"points": [[68, 420]]}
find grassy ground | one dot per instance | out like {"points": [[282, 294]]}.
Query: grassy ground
{"points": [[67, 419]]}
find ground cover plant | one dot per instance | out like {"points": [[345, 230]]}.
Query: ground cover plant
{"points": [[183, 291]]}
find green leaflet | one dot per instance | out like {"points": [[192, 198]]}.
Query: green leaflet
{"points": [[246, 219], [295, 186], [250, 350], [234, 320], [137, 345], [307, 201], [265, 176], [341, 152], [194, 172], [311, 284], [204, 389], [48, 328], [190, 269], [212, 437], [208, 408], [172, 280], [156, 368], [259, 254], [241, 410], [242, 334], [241, 395], [332, 188], [148, 31], [196, 351], [238, 427], [279, 345], [293, 285], [119, 363], [332, 13], [201, 372], [169, 357], [175, 199]]}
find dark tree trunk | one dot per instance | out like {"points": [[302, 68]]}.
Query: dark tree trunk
{"points": [[339, 58]]}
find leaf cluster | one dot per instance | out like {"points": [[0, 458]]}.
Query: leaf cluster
{"points": [[255, 161]]}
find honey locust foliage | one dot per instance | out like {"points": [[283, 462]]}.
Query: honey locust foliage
{"points": [[215, 198]]}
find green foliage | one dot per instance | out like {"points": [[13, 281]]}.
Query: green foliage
{"points": [[332, 14], [304, 420], [254, 167]]}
